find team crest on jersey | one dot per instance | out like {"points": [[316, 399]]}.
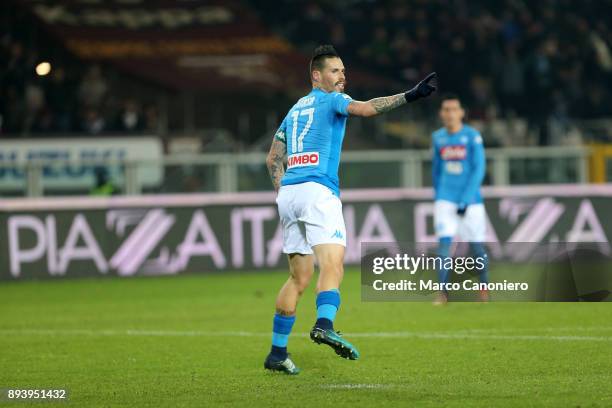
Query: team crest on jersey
{"points": [[303, 160], [453, 152]]}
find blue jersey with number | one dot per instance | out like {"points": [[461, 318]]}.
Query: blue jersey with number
{"points": [[459, 164], [313, 131]]}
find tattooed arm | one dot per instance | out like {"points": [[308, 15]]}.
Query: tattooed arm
{"points": [[386, 103], [376, 106], [275, 162]]}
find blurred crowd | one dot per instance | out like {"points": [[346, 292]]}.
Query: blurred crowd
{"points": [[72, 96], [509, 57], [62, 103]]}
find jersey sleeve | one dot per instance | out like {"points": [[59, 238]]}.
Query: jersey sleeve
{"points": [[436, 164], [281, 133], [477, 168], [340, 103]]}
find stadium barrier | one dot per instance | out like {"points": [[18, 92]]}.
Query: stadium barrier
{"points": [[35, 167], [136, 165], [204, 233]]}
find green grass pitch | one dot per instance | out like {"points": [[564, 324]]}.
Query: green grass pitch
{"points": [[195, 341]]}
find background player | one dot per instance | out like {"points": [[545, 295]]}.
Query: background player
{"points": [[310, 139], [458, 171]]}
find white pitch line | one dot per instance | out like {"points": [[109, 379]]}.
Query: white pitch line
{"points": [[538, 329], [399, 334], [462, 335], [130, 332], [357, 386]]}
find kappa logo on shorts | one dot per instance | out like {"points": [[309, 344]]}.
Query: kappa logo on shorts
{"points": [[303, 159], [337, 234]]}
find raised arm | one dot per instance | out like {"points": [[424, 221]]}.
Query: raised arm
{"points": [[376, 106], [275, 162], [384, 104]]}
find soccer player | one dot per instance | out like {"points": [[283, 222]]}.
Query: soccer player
{"points": [[458, 170], [310, 140]]}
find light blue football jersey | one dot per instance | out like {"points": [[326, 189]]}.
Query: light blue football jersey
{"points": [[459, 165], [313, 131]]}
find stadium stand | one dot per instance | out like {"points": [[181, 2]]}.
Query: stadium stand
{"points": [[546, 62]]}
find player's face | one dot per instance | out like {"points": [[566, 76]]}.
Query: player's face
{"points": [[451, 113], [331, 78]]}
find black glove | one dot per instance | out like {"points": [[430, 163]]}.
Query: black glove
{"points": [[461, 208], [422, 89]]}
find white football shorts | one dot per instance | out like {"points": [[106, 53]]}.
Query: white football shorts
{"points": [[471, 227], [310, 215]]}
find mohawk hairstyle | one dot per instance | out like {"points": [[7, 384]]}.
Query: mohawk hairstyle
{"points": [[320, 54]]}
